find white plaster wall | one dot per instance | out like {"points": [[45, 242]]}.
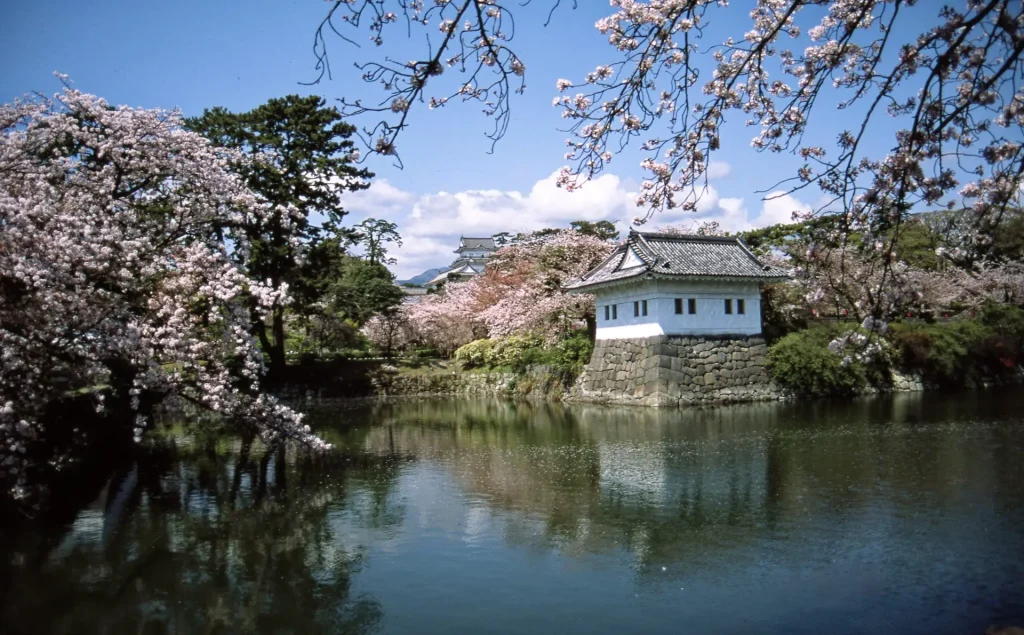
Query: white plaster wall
{"points": [[661, 318], [474, 254]]}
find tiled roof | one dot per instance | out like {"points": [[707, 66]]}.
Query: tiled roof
{"points": [[678, 256], [465, 270], [475, 243]]}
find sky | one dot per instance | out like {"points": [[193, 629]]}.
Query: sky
{"points": [[194, 54]]}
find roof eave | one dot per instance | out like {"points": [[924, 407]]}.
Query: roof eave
{"points": [[588, 287]]}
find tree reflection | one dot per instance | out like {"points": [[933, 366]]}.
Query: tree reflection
{"points": [[217, 536], [688, 486]]}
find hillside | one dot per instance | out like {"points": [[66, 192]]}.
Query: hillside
{"points": [[424, 277]]}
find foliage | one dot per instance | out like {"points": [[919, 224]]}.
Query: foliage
{"points": [[802, 362], [519, 353], [122, 237], [298, 153], [516, 351], [363, 289], [374, 234], [942, 353], [955, 353], [323, 335], [571, 355], [933, 113], [783, 310], [445, 321], [521, 291], [476, 354], [602, 229], [390, 331]]}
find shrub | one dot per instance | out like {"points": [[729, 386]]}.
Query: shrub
{"points": [[426, 352], [518, 352], [955, 353], [783, 311], [476, 354], [571, 355], [803, 363]]}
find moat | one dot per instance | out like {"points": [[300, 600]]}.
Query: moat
{"points": [[901, 514]]}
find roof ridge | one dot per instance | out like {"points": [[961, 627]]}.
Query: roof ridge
{"points": [[688, 237], [615, 252], [752, 256], [646, 253]]}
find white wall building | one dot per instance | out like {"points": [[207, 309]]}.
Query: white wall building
{"points": [[676, 284], [473, 254]]}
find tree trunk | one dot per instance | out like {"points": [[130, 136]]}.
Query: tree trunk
{"points": [[591, 327], [276, 349]]}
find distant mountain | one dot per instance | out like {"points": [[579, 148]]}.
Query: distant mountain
{"points": [[424, 277]]}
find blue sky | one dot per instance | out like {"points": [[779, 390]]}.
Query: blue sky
{"points": [[197, 54]]}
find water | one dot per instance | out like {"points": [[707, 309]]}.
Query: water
{"points": [[900, 515]]}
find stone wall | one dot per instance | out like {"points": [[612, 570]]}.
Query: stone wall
{"points": [[442, 384], [677, 371]]}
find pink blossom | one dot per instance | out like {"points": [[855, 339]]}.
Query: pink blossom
{"points": [[120, 260]]}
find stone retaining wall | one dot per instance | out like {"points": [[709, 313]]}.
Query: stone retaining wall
{"points": [[677, 371]]}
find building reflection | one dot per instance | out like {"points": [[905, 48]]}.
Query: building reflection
{"points": [[219, 535], [672, 485]]}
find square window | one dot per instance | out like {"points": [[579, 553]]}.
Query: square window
{"points": [[728, 306], [691, 306], [679, 306], [615, 311], [607, 313], [636, 309], [643, 307], [741, 307]]}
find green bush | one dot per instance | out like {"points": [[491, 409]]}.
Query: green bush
{"points": [[803, 363], [476, 354], [427, 352], [571, 355], [942, 353], [518, 352], [955, 353]]}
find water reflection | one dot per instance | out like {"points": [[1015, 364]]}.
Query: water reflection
{"points": [[880, 515], [667, 475], [214, 537]]}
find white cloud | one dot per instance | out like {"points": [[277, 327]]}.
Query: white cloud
{"points": [[732, 214], [779, 208], [718, 169], [380, 200], [431, 223]]}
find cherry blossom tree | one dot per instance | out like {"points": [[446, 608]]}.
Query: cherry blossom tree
{"points": [[119, 241], [449, 319], [940, 82], [524, 284], [390, 330], [522, 290]]}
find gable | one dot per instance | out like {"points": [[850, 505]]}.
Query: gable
{"points": [[631, 259]]}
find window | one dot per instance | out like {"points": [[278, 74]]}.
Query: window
{"points": [[741, 307], [643, 307], [691, 306], [679, 306], [607, 312], [636, 309], [728, 306], [615, 311]]}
